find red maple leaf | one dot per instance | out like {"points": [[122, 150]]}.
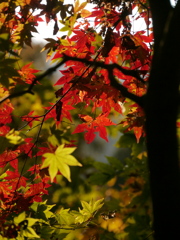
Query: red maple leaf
{"points": [[9, 157], [4, 130], [42, 174], [34, 169], [27, 147], [15, 180], [30, 118], [138, 131], [90, 126], [36, 191], [64, 112], [135, 121], [5, 113], [43, 150], [5, 190]]}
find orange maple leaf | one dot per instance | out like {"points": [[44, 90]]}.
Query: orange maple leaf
{"points": [[27, 73]]}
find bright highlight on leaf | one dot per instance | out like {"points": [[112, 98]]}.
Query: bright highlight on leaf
{"points": [[25, 224], [78, 6], [60, 161], [13, 137], [88, 210]]}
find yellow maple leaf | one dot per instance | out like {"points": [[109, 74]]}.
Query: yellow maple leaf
{"points": [[60, 160]]}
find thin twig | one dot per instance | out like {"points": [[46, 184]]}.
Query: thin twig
{"points": [[30, 88], [128, 72], [150, 234]]}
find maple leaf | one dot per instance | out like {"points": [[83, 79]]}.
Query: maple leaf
{"points": [[11, 157], [61, 111], [88, 210], [15, 180], [67, 76], [4, 130], [5, 190], [35, 19], [138, 131], [90, 126], [30, 118], [36, 191], [98, 13], [5, 113], [27, 147], [27, 73], [34, 169], [43, 150], [60, 160], [83, 38], [39, 173], [78, 6]]}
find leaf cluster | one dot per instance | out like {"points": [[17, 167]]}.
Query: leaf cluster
{"points": [[104, 67]]}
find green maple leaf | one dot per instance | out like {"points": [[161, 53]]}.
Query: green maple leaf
{"points": [[88, 211], [91, 207], [65, 217], [60, 160]]}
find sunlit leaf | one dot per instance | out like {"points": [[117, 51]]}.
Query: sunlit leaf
{"points": [[21, 217], [30, 233], [65, 217], [60, 161]]}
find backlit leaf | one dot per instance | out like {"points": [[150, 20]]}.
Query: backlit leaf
{"points": [[65, 217], [21, 217], [94, 125], [30, 233], [60, 161], [85, 13]]}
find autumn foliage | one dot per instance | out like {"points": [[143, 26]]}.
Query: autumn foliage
{"points": [[104, 64]]}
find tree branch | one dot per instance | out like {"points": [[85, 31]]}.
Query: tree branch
{"points": [[128, 72], [109, 67], [124, 91], [30, 88], [114, 83]]}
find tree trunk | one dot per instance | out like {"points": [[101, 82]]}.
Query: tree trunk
{"points": [[161, 108]]}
